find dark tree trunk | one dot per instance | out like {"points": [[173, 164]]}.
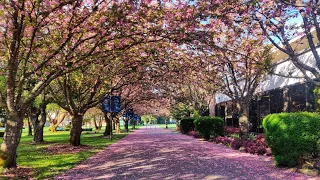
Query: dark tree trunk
{"points": [[11, 138], [39, 125], [166, 122], [38, 133], [134, 125], [76, 129], [29, 128], [95, 123], [108, 125], [126, 125]]}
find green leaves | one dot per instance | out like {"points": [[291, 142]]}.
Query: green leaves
{"points": [[209, 126], [293, 137]]}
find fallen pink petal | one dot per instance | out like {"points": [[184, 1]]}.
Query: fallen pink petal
{"points": [[162, 154]]}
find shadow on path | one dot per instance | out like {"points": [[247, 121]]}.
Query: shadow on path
{"points": [[162, 154]]}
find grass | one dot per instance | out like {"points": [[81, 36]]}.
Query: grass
{"points": [[47, 165], [170, 126], [121, 127]]}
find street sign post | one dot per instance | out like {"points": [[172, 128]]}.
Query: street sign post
{"points": [[111, 104]]}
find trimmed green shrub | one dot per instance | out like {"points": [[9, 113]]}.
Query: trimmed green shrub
{"points": [[67, 127], [1, 133], [316, 92], [292, 137], [187, 125], [208, 125]]}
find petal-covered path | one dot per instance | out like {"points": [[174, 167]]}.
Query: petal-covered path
{"points": [[162, 154]]}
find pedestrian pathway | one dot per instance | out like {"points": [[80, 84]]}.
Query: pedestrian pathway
{"points": [[156, 153]]}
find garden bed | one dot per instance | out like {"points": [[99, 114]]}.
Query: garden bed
{"points": [[65, 149]]}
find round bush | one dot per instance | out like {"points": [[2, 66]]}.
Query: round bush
{"points": [[208, 125], [292, 137], [187, 125]]}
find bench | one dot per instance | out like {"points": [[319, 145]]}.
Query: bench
{"points": [[60, 129], [86, 129]]}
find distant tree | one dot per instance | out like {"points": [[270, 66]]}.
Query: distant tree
{"points": [[179, 111], [96, 116], [148, 119], [56, 116]]}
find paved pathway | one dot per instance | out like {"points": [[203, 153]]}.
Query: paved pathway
{"points": [[162, 154]]}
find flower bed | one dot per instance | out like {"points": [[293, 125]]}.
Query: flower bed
{"points": [[231, 130], [223, 140], [195, 134], [257, 146]]}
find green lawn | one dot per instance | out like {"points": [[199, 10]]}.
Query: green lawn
{"points": [[45, 164], [170, 126], [121, 127]]}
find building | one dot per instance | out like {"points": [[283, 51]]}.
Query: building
{"points": [[276, 93]]}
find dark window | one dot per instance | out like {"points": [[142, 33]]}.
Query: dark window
{"points": [[276, 101], [298, 97]]}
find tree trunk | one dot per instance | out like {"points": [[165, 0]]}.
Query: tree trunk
{"points": [[11, 138], [76, 129], [286, 100], [118, 127], [134, 124], [39, 125], [38, 133], [100, 123], [53, 128], [95, 123], [54, 123], [29, 128], [212, 106], [177, 124], [108, 125], [113, 125], [126, 125], [243, 110]]}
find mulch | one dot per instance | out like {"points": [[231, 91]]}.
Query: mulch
{"points": [[65, 149], [18, 173]]}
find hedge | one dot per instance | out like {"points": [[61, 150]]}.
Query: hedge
{"points": [[187, 125], [209, 125], [292, 137]]}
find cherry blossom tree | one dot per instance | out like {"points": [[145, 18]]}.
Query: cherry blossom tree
{"points": [[292, 27], [53, 42], [34, 35], [38, 117]]}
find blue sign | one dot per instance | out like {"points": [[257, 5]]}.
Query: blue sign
{"points": [[128, 114], [136, 117], [111, 104], [115, 104], [106, 104]]}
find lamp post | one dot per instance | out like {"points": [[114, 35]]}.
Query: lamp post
{"points": [[166, 121], [111, 104]]}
